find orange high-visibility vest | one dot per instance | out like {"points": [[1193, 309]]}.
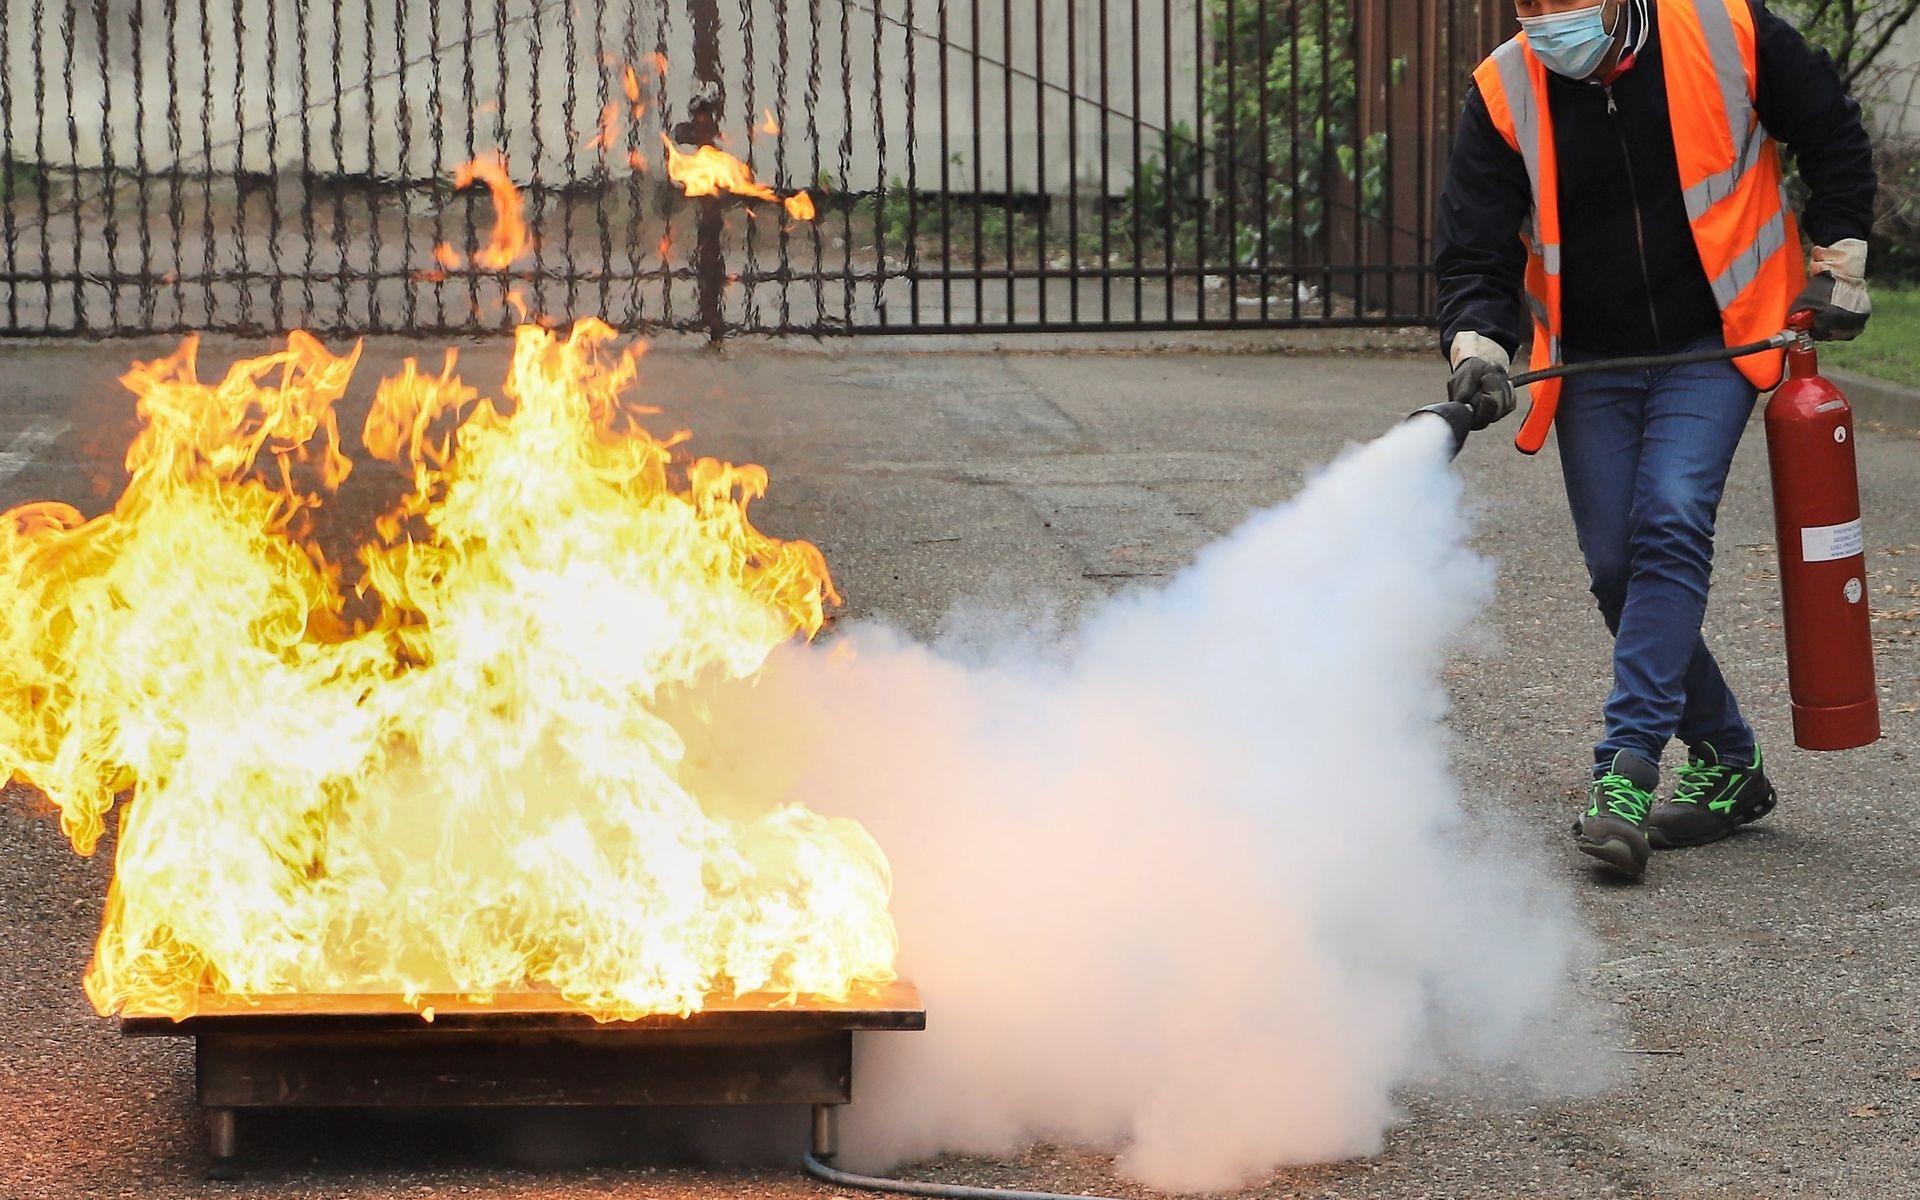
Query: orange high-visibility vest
{"points": [[1729, 172]]}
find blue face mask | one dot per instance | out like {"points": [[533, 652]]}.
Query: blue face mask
{"points": [[1573, 43]]}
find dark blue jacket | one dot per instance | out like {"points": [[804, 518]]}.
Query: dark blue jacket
{"points": [[1631, 279]]}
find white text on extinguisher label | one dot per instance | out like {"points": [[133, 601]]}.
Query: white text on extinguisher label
{"points": [[1825, 543]]}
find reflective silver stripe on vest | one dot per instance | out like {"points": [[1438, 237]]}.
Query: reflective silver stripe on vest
{"points": [[1518, 86], [1715, 188], [1746, 265], [1744, 133], [1517, 83]]}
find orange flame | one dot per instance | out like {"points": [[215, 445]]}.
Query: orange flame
{"points": [[509, 238], [459, 772], [709, 171], [767, 124]]}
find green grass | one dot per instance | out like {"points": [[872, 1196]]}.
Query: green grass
{"points": [[1890, 347]]}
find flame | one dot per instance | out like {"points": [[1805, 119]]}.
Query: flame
{"points": [[452, 764], [709, 170], [631, 82], [608, 129], [509, 238], [768, 125]]}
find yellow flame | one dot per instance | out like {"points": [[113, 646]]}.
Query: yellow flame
{"points": [[709, 170], [458, 771]]}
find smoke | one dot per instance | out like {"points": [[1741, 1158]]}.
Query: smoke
{"points": [[1192, 880]]}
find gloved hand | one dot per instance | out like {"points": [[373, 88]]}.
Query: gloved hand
{"points": [[1480, 377], [1836, 291]]}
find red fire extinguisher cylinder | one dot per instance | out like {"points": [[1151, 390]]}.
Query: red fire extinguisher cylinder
{"points": [[1823, 562]]}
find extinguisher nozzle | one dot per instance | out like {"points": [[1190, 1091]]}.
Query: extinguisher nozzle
{"points": [[1457, 415]]}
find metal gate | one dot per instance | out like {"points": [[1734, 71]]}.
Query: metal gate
{"points": [[973, 165]]}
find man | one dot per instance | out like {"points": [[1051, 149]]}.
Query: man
{"points": [[1616, 190]]}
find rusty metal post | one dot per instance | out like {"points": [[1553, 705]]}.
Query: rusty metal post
{"points": [[704, 117]]}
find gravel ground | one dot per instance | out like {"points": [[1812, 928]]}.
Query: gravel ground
{"points": [[1769, 987]]}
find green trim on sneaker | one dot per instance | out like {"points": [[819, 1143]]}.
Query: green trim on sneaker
{"points": [[1617, 805], [1710, 800]]}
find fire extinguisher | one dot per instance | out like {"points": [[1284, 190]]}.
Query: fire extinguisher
{"points": [[1823, 559], [1816, 505]]}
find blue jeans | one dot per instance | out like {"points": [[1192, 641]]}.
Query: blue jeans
{"points": [[1646, 454]]}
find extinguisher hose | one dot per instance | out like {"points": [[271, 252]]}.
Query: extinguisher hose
{"points": [[903, 1187], [1776, 342]]}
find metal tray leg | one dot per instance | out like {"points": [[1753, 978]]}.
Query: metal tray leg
{"points": [[222, 1136]]}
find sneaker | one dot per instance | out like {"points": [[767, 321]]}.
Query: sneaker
{"points": [[1710, 800], [1617, 807]]}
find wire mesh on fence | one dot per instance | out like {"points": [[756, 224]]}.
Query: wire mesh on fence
{"points": [[257, 165]]}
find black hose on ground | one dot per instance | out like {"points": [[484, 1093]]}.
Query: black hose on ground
{"points": [[904, 1187]]}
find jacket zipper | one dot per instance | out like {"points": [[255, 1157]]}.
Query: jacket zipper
{"points": [[1639, 227]]}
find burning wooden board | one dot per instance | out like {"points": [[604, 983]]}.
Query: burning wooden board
{"points": [[327, 1051]]}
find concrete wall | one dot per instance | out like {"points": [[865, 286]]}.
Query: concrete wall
{"points": [[375, 80]]}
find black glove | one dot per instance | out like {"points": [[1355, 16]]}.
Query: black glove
{"points": [[1836, 292], [1481, 384]]}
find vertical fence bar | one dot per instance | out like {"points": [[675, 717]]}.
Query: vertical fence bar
{"points": [[780, 84], [881, 204], [9, 170], [470, 105], [536, 188], [1167, 142], [750, 109], [277, 289], [946, 176], [338, 146], [68, 20], [570, 162], [1006, 127], [603, 142], [176, 205], [1137, 260], [241, 274], [846, 161], [1200, 160], [913, 167], [813, 142], [437, 146], [373, 179], [1043, 197], [710, 261], [1356, 127], [979, 224], [206, 165], [1296, 244], [1073, 163], [1106, 177], [42, 194], [403, 171], [1232, 39], [630, 51], [110, 221], [1325, 138], [663, 26], [1264, 55]]}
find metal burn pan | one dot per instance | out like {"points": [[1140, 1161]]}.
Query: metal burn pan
{"points": [[527, 1049]]}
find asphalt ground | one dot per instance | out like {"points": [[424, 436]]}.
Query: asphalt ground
{"points": [[1769, 986]]}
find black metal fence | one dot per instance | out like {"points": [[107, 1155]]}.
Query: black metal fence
{"points": [[257, 165]]}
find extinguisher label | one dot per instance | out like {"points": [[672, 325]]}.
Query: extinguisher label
{"points": [[1825, 543]]}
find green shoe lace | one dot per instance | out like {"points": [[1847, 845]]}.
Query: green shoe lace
{"points": [[1694, 782], [1622, 799], [1698, 780]]}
